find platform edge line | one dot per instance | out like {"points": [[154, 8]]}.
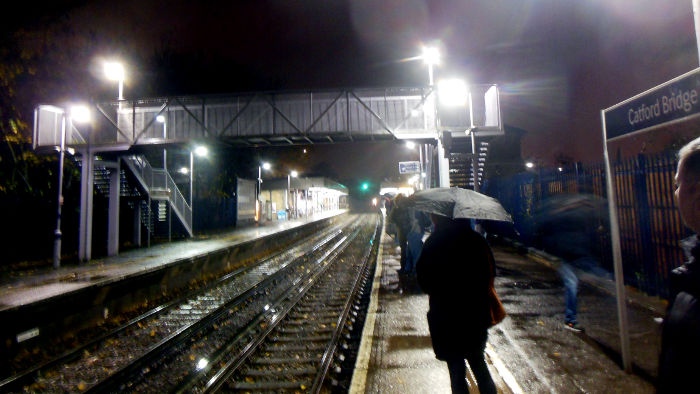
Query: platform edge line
{"points": [[359, 377], [503, 371]]}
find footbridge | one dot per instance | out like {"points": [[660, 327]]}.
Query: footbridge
{"points": [[252, 119], [270, 118]]}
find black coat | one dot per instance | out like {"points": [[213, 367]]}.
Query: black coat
{"points": [[680, 340], [454, 269]]}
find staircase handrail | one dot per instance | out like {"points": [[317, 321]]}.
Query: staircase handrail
{"points": [[159, 179]]}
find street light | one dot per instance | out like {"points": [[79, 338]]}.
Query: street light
{"points": [[161, 119], [431, 57], [529, 164], [262, 166], [453, 92], [115, 72], [78, 114], [410, 145], [201, 151], [292, 174]]}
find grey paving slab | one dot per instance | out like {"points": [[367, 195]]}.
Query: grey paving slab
{"points": [[402, 358]]}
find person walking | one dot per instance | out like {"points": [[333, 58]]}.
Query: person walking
{"points": [[680, 338], [455, 270], [565, 225]]}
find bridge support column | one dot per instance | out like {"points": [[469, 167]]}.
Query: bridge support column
{"points": [[137, 223], [86, 189], [443, 165], [113, 220]]}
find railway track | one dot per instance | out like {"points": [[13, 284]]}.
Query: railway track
{"points": [[295, 353], [162, 349]]}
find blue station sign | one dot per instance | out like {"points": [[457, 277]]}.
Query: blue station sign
{"points": [[676, 99], [409, 167]]}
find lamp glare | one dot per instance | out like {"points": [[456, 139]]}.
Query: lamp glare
{"points": [[80, 113], [431, 55], [453, 92], [114, 71], [201, 151]]}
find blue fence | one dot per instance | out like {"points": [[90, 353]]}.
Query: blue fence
{"points": [[650, 225]]}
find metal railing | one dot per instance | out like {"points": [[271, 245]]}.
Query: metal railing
{"points": [[160, 185], [650, 224]]}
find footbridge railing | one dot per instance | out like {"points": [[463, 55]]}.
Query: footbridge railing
{"points": [[159, 185], [264, 118]]}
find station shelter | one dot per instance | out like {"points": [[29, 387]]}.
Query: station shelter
{"points": [[288, 198]]}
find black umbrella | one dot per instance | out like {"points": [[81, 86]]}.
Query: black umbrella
{"points": [[459, 203]]}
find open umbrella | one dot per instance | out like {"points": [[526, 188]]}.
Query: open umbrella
{"points": [[457, 203]]}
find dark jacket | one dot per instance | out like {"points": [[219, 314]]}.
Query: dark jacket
{"points": [[399, 216], [455, 271], [680, 341]]}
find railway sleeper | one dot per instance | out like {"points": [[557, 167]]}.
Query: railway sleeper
{"points": [[267, 360], [304, 330], [283, 347], [316, 316], [271, 385], [290, 372], [292, 338]]}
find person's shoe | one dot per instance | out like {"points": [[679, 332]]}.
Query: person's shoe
{"points": [[575, 327]]}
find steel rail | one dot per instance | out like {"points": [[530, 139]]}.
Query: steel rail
{"points": [[155, 352], [327, 357], [149, 361], [22, 378], [235, 363], [216, 382]]}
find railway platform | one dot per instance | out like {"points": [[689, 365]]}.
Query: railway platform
{"points": [[530, 351], [41, 303]]}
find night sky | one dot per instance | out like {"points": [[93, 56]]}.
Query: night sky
{"points": [[559, 62]]}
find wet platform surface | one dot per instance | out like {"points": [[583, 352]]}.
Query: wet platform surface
{"points": [[530, 351], [396, 355], [44, 284]]}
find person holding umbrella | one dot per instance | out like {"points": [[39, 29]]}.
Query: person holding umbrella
{"points": [[456, 270]]}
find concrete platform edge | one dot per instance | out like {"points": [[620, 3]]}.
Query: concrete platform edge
{"points": [[364, 354]]}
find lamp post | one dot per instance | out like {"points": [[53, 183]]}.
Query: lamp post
{"points": [[79, 114], [291, 175], [161, 119], [262, 166], [431, 57], [115, 72]]}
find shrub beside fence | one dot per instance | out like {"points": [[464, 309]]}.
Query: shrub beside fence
{"points": [[650, 225]]}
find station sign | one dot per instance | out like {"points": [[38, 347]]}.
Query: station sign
{"points": [[674, 100], [409, 167]]}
